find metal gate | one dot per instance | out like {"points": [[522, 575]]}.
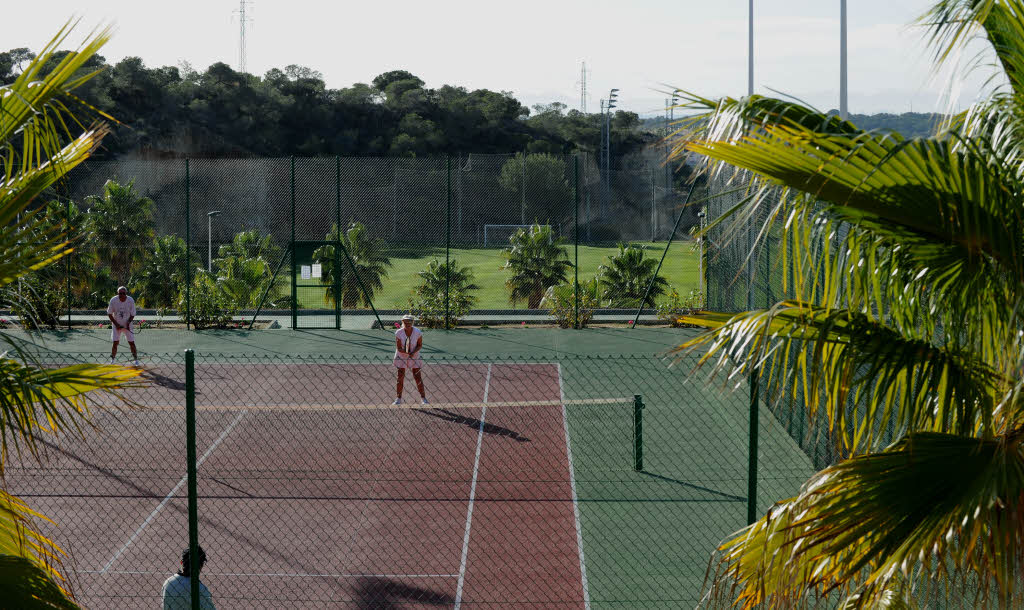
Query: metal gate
{"points": [[316, 293]]}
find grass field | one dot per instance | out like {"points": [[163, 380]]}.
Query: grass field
{"points": [[680, 269]]}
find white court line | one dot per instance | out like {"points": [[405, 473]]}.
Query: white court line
{"points": [[276, 575], [575, 502], [168, 497], [472, 495]]}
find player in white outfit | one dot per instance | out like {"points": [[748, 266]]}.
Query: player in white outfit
{"points": [[408, 341], [121, 311]]}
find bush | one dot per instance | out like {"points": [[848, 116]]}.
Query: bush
{"points": [[671, 310], [38, 303], [562, 301], [427, 302], [208, 306]]}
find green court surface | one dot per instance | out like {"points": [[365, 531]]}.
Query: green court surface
{"points": [[647, 536], [679, 269]]}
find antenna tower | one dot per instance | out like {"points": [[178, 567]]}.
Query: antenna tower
{"points": [[583, 88], [242, 22]]}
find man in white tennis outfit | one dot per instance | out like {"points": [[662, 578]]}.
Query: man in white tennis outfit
{"points": [[121, 311], [408, 341]]}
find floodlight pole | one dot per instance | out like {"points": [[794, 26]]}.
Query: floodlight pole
{"points": [[843, 102], [608, 150], [750, 50], [209, 239]]}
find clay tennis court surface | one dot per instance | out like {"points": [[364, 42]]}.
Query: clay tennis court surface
{"points": [[315, 492]]}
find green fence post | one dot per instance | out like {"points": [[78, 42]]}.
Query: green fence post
{"points": [[295, 290], [337, 253], [638, 432], [188, 250], [752, 450], [190, 449], [67, 265], [576, 235], [447, 251]]}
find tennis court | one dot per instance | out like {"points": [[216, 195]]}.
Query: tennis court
{"points": [[314, 491]]}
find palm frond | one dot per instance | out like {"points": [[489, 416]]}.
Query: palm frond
{"points": [[936, 503], [833, 358]]}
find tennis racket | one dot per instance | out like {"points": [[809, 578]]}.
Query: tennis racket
{"points": [[136, 326], [407, 352]]}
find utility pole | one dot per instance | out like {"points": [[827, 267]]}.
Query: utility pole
{"points": [[583, 88], [750, 50]]}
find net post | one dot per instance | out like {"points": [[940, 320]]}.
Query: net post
{"points": [[752, 449], [448, 249], [638, 432], [576, 236], [190, 449], [295, 290], [188, 250]]}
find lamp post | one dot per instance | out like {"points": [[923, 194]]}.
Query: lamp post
{"points": [[209, 239], [608, 149]]}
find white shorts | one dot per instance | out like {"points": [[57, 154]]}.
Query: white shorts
{"points": [[115, 332], [405, 362]]}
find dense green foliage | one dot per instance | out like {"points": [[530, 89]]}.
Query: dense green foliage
{"points": [[536, 262], [626, 276], [221, 112]]}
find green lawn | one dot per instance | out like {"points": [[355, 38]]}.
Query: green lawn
{"points": [[680, 269]]}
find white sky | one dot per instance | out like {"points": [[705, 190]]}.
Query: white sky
{"points": [[534, 48]]}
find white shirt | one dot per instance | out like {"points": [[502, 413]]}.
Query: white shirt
{"points": [[413, 339], [178, 594], [121, 310]]}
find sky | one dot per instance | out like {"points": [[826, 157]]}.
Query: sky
{"points": [[535, 48]]}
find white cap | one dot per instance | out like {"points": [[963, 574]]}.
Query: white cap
{"points": [[408, 316]]}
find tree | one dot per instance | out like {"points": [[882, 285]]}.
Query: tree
{"points": [[903, 335], [547, 195], [37, 149], [537, 261], [366, 255], [165, 272], [245, 270], [121, 225], [626, 276]]}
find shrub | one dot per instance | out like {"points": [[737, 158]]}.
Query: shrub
{"points": [[671, 310], [427, 302], [38, 303], [208, 306], [562, 301]]}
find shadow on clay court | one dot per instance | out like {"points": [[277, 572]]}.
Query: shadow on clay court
{"points": [[381, 593], [473, 423], [163, 380]]}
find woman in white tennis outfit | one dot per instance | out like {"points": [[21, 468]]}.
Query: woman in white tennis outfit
{"points": [[408, 341]]}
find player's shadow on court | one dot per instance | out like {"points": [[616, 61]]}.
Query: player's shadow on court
{"points": [[381, 593], [474, 423], [164, 381]]}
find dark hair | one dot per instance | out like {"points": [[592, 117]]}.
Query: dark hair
{"points": [[186, 561]]}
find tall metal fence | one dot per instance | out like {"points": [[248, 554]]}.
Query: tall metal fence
{"points": [[265, 231], [576, 482]]}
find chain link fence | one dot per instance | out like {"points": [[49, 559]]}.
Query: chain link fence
{"points": [[564, 483], [205, 241]]}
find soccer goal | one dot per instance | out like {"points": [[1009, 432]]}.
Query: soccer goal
{"points": [[498, 235]]}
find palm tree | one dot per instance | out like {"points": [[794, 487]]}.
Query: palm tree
{"points": [[37, 149], [912, 314], [441, 282], [165, 272], [245, 269], [121, 225], [625, 278], [368, 257], [537, 261]]}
